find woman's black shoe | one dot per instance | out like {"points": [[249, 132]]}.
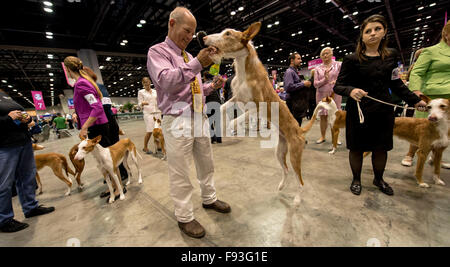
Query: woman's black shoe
{"points": [[356, 187], [384, 187]]}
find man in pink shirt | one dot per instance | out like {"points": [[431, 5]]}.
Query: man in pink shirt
{"points": [[181, 97]]}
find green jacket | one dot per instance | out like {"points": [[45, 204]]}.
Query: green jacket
{"points": [[431, 73]]}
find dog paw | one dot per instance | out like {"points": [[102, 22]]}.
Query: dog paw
{"points": [[332, 152], [122, 197], [140, 181], [438, 181], [129, 182], [80, 188], [281, 185], [297, 200], [424, 185], [111, 200]]}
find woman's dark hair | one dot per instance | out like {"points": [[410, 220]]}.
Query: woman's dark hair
{"points": [[382, 48]]}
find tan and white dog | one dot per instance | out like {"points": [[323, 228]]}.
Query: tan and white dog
{"points": [[336, 119], [57, 162], [109, 159], [158, 138], [428, 135], [78, 164], [251, 84]]}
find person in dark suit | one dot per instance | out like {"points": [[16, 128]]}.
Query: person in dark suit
{"points": [[370, 71]]}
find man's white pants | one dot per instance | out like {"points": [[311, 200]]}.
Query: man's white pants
{"points": [[179, 152]]}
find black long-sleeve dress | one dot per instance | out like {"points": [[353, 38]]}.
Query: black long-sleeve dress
{"points": [[374, 76]]}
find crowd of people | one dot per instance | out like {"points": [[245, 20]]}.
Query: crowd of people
{"points": [[177, 78]]}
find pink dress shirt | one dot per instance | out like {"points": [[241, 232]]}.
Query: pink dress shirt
{"points": [[325, 87], [172, 78]]}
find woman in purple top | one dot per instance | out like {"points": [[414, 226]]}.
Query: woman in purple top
{"points": [[87, 101], [324, 80]]}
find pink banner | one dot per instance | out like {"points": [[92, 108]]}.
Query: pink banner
{"points": [[38, 100], [70, 81], [316, 62]]}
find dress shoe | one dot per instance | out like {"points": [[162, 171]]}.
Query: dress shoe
{"points": [[218, 206], [13, 226], [193, 229], [383, 186], [41, 210], [356, 187]]}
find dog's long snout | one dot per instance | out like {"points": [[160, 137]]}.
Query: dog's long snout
{"points": [[432, 118]]}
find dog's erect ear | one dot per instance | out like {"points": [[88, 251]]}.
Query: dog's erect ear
{"points": [[251, 32], [97, 139], [332, 95], [425, 98], [82, 138], [154, 118]]}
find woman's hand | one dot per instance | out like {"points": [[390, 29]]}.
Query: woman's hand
{"points": [[357, 94], [15, 114], [83, 133], [421, 106]]}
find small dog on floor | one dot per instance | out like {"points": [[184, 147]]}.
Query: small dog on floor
{"points": [[158, 138], [57, 162], [109, 159], [336, 119]]}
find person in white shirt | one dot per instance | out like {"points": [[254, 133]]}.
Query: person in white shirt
{"points": [[69, 120], [147, 101]]}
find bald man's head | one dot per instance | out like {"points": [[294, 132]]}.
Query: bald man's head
{"points": [[182, 25]]}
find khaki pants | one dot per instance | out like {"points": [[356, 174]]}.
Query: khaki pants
{"points": [[180, 149]]}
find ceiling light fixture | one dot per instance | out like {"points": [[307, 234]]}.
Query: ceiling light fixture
{"points": [[233, 13], [48, 3], [48, 10]]}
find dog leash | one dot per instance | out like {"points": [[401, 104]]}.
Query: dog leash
{"points": [[360, 113]]}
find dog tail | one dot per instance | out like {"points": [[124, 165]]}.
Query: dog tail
{"points": [[313, 119], [66, 166]]}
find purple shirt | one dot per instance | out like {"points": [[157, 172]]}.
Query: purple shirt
{"points": [[172, 77], [291, 81], [87, 102]]}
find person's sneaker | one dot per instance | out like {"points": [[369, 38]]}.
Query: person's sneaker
{"points": [[218, 206], [13, 226], [193, 229], [39, 211]]}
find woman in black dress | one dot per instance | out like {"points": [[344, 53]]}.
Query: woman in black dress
{"points": [[371, 71]]}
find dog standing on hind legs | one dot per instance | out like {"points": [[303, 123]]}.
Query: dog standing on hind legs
{"points": [[109, 159], [251, 84]]}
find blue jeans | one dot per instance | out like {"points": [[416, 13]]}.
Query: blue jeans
{"points": [[17, 164]]}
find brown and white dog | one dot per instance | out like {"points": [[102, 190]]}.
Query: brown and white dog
{"points": [[427, 135], [336, 119], [251, 84], [56, 162], [158, 137], [78, 164], [109, 159]]}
